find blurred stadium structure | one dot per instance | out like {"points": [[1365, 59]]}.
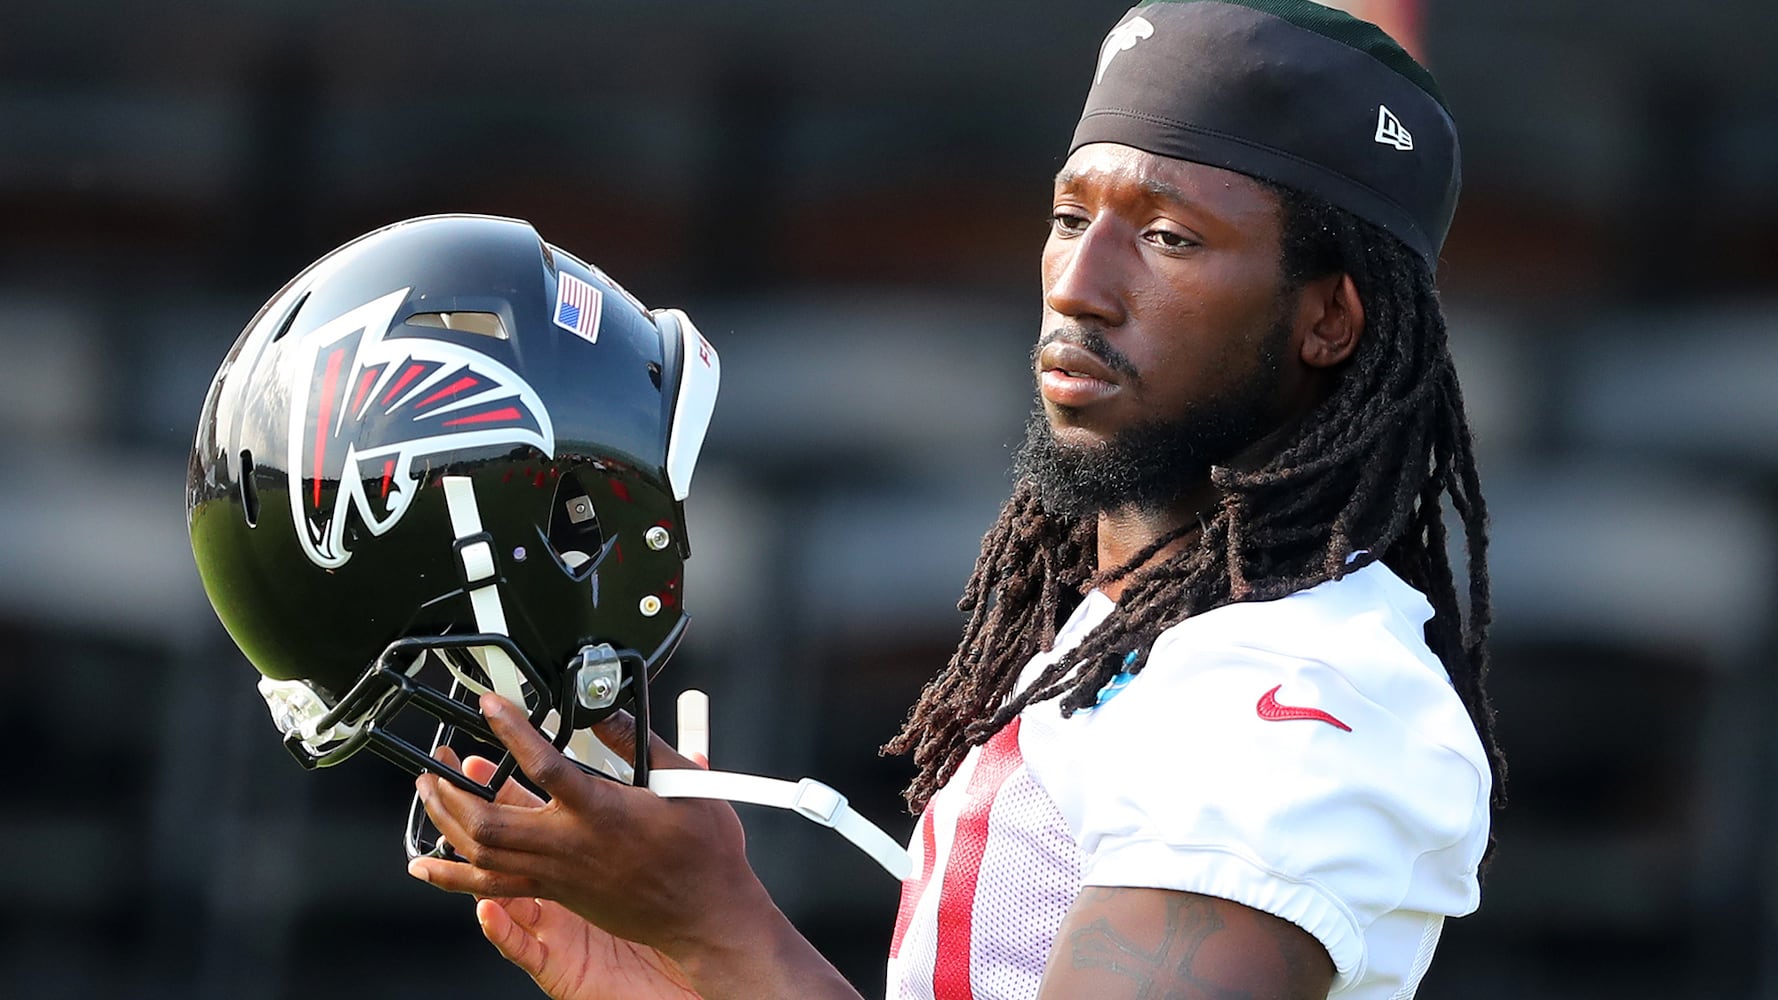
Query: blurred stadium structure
{"points": [[849, 199]]}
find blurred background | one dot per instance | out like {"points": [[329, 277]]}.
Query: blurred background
{"points": [[850, 200]]}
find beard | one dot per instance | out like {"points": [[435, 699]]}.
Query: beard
{"points": [[1149, 466]]}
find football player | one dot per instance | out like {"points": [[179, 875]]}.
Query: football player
{"points": [[1216, 725]]}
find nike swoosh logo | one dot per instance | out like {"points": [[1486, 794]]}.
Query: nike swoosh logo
{"points": [[1271, 711]]}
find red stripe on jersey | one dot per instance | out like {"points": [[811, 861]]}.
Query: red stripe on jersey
{"points": [[913, 889], [956, 895]]}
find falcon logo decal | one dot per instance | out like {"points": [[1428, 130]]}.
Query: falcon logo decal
{"points": [[365, 410]]}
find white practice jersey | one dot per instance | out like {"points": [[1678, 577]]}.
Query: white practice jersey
{"points": [[1306, 757]]}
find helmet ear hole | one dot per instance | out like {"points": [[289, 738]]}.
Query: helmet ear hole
{"points": [[574, 533]]}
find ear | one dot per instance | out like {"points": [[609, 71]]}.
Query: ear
{"points": [[1331, 318]]}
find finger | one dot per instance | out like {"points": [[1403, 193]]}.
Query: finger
{"points": [[543, 763], [509, 936], [618, 731], [526, 911], [693, 729], [481, 770], [486, 834], [455, 876]]}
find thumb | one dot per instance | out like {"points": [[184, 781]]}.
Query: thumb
{"points": [[508, 938], [618, 731]]}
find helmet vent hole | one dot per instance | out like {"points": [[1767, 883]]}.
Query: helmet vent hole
{"points": [[290, 317], [249, 490], [574, 533], [486, 324]]}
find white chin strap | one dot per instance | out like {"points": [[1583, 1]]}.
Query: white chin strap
{"points": [[811, 799], [484, 595]]}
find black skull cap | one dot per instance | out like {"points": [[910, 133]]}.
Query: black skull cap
{"points": [[1288, 91]]}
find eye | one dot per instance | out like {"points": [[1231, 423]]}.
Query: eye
{"points": [[1067, 222], [1170, 240]]}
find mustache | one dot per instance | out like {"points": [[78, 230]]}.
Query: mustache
{"points": [[1091, 340]]}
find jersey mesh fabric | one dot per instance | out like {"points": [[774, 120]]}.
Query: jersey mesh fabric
{"points": [[968, 868], [1422, 959], [1030, 876], [1365, 827], [966, 934]]}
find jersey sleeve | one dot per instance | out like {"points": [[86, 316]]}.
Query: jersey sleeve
{"points": [[1328, 793]]}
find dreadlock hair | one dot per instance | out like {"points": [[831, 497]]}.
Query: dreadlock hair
{"points": [[1365, 473]]}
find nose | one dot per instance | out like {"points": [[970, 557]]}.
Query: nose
{"points": [[1082, 276]]}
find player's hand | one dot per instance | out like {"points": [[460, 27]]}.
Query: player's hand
{"points": [[671, 874], [568, 957]]}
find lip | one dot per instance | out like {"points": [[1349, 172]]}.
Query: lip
{"points": [[1073, 376]]}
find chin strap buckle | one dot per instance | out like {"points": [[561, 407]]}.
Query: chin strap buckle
{"points": [[818, 802]]}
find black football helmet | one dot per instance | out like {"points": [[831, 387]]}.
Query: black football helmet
{"points": [[449, 448]]}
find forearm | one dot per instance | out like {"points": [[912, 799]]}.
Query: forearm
{"points": [[762, 957]]}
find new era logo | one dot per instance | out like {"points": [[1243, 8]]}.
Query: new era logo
{"points": [[1390, 130]]}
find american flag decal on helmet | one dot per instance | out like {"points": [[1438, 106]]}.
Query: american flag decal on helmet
{"points": [[373, 407], [577, 307]]}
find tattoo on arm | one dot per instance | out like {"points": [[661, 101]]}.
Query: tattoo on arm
{"points": [[1175, 969]]}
